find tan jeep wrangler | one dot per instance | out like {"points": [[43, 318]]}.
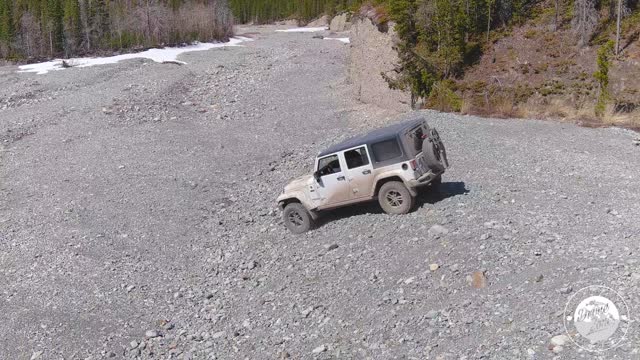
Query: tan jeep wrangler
{"points": [[389, 164]]}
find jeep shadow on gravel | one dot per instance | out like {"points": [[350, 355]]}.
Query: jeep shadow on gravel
{"points": [[389, 164]]}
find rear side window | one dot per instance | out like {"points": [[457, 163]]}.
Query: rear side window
{"points": [[386, 150], [356, 157]]}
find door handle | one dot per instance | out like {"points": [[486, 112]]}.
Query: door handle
{"points": [[340, 178], [366, 172]]}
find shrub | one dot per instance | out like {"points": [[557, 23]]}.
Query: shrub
{"points": [[530, 34], [443, 97], [602, 76]]}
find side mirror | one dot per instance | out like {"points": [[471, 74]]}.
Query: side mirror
{"points": [[316, 175]]}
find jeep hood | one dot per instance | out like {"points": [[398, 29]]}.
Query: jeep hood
{"points": [[298, 183]]}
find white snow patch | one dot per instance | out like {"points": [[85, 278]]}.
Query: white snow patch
{"points": [[157, 55], [305, 29], [344, 40]]}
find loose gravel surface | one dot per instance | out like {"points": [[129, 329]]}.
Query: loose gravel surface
{"points": [[137, 220]]}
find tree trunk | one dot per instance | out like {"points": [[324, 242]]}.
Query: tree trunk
{"points": [[583, 17], [555, 19], [617, 51], [489, 21], [148, 20], [466, 28]]}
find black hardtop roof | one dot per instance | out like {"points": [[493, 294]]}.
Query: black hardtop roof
{"points": [[373, 136]]}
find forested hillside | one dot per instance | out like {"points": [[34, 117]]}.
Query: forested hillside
{"points": [[265, 11], [531, 58], [48, 28]]}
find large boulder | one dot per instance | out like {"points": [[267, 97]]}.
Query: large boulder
{"points": [[290, 22], [321, 21], [340, 23]]}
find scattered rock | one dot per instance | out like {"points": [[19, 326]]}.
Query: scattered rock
{"points": [[478, 280], [307, 311], [331, 247], [319, 349], [431, 314], [434, 267], [566, 290], [437, 230], [492, 224], [560, 340], [150, 334]]}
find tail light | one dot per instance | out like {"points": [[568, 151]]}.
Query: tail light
{"points": [[413, 164]]}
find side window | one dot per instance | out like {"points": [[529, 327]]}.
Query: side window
{"points": [[356, 157], [329, 165], [386, 150]]}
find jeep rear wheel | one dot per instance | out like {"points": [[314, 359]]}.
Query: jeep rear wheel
{"points": [[395, 198], [296, 218]]}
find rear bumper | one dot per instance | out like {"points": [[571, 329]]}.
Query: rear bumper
{"points": [[425, 179]]}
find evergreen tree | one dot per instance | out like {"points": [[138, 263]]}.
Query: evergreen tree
{"points": [[72, 26], [7, 27]]}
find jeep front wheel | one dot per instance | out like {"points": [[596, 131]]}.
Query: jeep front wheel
{"points": [[296, 218], [395, 198]]}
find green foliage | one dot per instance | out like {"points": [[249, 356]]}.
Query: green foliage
{"points": [[37, 28], [416, 72], [522, 93], [265, 11], [439, 39], [602, 76], [443, 97], [530, 33], [7, 26], [57, 27], [551, 87]]}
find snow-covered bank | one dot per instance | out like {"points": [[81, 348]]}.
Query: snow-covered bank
{"points": [[157, 55], [304, 29], [344, 40]]}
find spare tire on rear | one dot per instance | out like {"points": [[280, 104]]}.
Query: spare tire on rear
{"points": [[434, 152]]}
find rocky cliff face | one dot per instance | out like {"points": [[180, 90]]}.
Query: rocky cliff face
{"points": [[340, 22], [371, 54]]}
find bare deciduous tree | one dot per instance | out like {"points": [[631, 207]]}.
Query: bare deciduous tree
{"points": [[555, 18], [585, 20]]}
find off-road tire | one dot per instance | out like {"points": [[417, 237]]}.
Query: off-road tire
{"points": [[433, 151], [296, 218], [395, 198]]}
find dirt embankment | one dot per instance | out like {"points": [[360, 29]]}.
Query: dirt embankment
{"points": [[531, 71], [372, 54], [541, 73]]}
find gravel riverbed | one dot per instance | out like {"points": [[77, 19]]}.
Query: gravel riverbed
{"points": [[137, 220]]}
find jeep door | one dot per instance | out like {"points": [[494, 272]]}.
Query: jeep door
{"points": [[333, 186], [359, 172]]}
